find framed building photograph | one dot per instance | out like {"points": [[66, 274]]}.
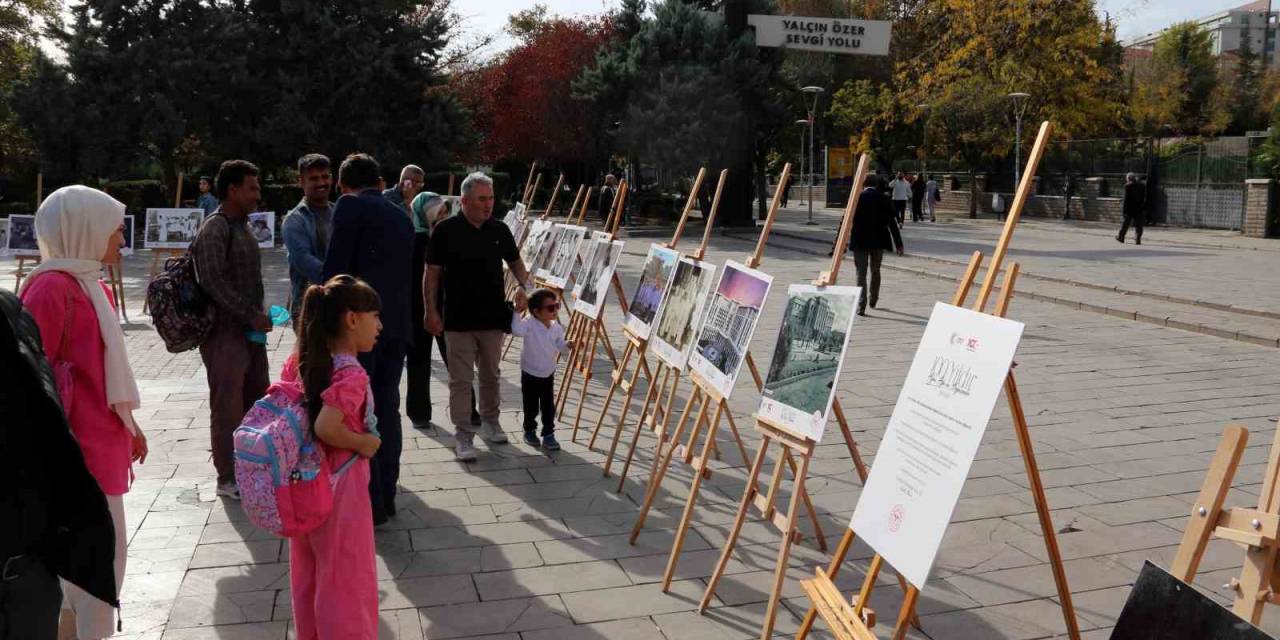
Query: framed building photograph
{"points": [[22, 236], [4, 237], [533, 240], [672, 339], [545, 252], [727, 324], [171, 228], [127, 249], [592, 289], [655, 279], [807, 355], [263, 227]]}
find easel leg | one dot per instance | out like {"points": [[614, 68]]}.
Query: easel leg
{"points": [[622, 418], [733, 428], [842, 550], [575, 354], [661, 461], [649, 400], [1042, 507], [748, 494], [784, 551], [818, 535], [698, 473], [608, 400], [849, 442]]}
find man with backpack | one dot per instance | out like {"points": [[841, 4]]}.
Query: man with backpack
{"points": [[230, 274]]}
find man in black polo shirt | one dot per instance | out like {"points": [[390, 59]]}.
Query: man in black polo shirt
{"points": [[465, 258]]}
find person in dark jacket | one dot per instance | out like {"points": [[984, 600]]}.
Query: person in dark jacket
{"points": [[875, 229], [372, 240], [1135, 208], [54, 520], [917, 198]]}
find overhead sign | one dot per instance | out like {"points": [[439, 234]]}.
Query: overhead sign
{"points": [[828, 35]]}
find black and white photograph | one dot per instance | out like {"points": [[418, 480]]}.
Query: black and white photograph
{"points": [[171, 228], [127, 249], [591, 291], [673, 334], [537, 234], [550, 242], [263, 227], [728, 322], [560, 265], [807, 357], [22, 236], [4, 237]]}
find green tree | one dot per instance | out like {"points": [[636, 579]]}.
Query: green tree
{"points": [[20, 21], [1176, 86]]}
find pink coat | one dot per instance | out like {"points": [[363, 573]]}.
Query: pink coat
{"points": [[74, 348]]}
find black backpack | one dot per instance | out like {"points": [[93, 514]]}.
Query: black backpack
{"points": [[180, 310]]}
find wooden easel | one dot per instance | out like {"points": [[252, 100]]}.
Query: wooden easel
{"points": [[115, 277], [529, 184], [531, 190], [639, 346], [1257, 530], [555, 193], [33, 261], [855, 618]]}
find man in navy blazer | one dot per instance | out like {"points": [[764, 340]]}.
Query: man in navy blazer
{"points": [[373, 240]]}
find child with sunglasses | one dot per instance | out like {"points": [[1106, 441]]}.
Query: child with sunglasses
{"points": [[543, 340]]}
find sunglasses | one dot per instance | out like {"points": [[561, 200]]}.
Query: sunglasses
{"points": [[554, 306]]}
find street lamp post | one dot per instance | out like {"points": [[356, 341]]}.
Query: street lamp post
{"points": [[813, 106], [803, 124], [924, 148], [1019, 106]]}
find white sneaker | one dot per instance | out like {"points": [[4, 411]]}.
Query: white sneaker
{"points": [[463, 449], [228, 489], [492, 433]]}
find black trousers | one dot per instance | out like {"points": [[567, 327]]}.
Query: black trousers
{"points": [[863, 258], [1137, 221], [917, 209], [900, 210], [417, 401], [385, 365], [30, 602], [537, 394]]}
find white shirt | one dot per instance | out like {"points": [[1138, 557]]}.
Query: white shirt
{"points": [[901, 189], [541, 345]]}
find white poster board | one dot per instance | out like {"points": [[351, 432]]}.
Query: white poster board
{"points": [[171, 228], [655, 279], [537, 233], [22, 236], [933, 435], [4, 237], [263, 227], [677, 326], [800, 384], [558, 267], [591, 290], [728, 324]]}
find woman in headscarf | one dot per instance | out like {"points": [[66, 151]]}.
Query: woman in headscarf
{"points": [[79, 229]]}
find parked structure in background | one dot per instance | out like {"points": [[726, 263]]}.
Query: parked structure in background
{"points": [[1229, 28]]}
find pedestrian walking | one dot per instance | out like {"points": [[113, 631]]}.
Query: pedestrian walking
{"points": [[80, 229], [306, 229], [207, 201], [786, 190], [875, 229], [1135, 208], [932, 196], [917, 198], [607, 193], [333, 573], [54, 519], [465, 259], [373, 241], [543, 343], [235, 352], [900, 190]]}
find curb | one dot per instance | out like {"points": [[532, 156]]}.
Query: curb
{"points": [[1126, 314]]}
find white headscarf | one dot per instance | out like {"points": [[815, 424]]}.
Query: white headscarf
{"points": [[73, 226]]}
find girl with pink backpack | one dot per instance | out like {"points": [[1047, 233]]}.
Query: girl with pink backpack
{"points": [[332, 567]]}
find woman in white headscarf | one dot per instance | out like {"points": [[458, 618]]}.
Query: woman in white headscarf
{"points": [[78, 230]]}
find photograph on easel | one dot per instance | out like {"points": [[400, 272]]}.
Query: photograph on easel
{"points": [[22, 236], [584, 256], [727, 325], [590, 291], [546, 249], [673, 337], [560, 264], [263, 227], [4, 237], [655, 280], [807, 357], [537, 233], [127, 248], [171, 228], [933, 435]]}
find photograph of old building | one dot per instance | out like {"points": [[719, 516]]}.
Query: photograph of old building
{"points": [[655, 279], [728, 322], [673, 337]]}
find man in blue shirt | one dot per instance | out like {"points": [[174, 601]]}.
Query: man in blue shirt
{"points": [[306, 228]]}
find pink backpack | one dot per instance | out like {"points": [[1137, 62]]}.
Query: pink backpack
{"points": [[286, 486]]}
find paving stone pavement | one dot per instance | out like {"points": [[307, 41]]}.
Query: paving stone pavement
{"points": [[521, 544]]}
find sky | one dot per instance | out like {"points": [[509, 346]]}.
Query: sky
{"points": [[742, 287], [1135, 17]]}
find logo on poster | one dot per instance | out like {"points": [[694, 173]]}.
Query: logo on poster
{"points": [[970, 343], [951, 377], [896, 516]]}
